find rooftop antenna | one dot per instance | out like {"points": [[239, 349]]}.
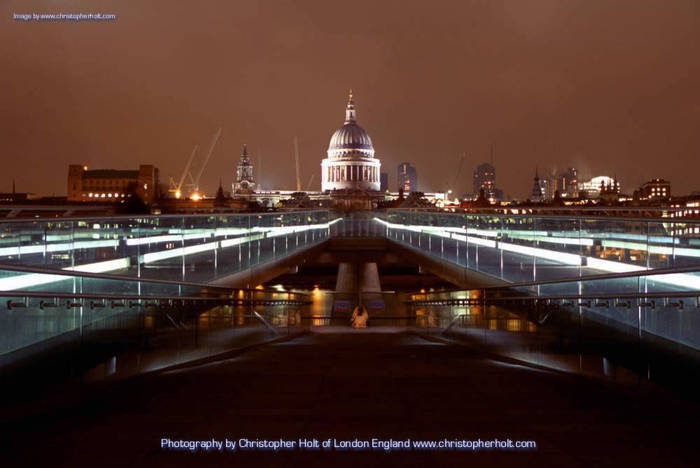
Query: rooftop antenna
{"points": [[492, 154], [296, 162]]}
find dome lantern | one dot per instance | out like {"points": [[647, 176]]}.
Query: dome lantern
{"points": [[350, 110]]}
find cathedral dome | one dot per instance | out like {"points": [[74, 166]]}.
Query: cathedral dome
{"points": [[350, 136], [350, 140], [350, 164]]}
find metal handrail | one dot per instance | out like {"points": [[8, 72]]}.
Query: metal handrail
{"points": [[452, 323], [226, 299], [553, 217], [481, 300], [552, 208], [107, 276], [604, 276], [266, 323], [632, 274], [150, 216], [42, 294], [601, 276]]}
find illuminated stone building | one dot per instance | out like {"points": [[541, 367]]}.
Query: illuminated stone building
{"points": [[245, 181], [656, 189], [111, 184], [350, 165]]}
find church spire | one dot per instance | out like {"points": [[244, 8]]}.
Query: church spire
{"points": [[350, 110], [537, 190]]}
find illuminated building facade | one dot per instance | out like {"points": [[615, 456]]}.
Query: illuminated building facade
{"points": [[244, 181], [350, 164], [567, 183], [407, 177], [598, 185], [656, 189], [538, 193], [111, 184], [485, 178]]}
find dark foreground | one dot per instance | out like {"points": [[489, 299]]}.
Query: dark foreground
{"points": [[360, 385]]}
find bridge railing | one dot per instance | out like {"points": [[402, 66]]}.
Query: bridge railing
{"points": [[47, 309], [196, 248], [517, 248], [645, 305], [357, 224]]}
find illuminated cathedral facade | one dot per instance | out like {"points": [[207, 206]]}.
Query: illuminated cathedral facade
{"points": [[351, 164]]}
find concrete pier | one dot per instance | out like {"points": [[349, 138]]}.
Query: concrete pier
{"points": [[357, 277]]}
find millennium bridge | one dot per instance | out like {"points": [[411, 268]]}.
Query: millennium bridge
{"points": [[567, 330]]}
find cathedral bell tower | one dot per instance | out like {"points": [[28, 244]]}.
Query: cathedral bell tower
{"points": [[244, 182]]}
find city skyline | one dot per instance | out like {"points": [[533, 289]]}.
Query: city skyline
{"points": [[549, 85]]}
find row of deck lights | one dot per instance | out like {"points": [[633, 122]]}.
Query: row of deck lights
{"points": [[116, 304], [606, 303]]}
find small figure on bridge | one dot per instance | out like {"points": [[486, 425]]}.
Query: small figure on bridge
{"points": [[359, 318]]}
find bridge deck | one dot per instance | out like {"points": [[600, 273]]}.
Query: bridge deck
{"points": [[379, 383]]}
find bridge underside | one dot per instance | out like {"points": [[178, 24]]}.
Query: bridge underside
{"points": [[400, 268]]}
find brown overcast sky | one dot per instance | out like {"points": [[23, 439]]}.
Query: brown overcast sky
{"points": [[608, 86]]}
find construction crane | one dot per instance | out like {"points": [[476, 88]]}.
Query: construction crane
{"points": [[311, 179], [259, 177], [194, 186], [296, 162], [176, 189], [455, 179]]}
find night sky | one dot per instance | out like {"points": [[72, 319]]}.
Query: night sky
{"points": [[608, 86]]}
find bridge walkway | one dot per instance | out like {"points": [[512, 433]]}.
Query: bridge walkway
{"points": [[382, 382]]}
